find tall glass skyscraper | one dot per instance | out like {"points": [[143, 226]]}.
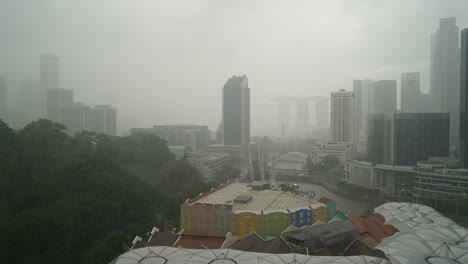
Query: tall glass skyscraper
{"points": [[236, 111], [50, 78], [464, 99], [445, 63]]}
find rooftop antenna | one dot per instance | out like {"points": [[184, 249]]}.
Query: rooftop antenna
{"points": [[136, 240], [153, 231]]}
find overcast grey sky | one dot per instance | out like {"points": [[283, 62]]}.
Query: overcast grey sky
{"points": [[163, 62]]}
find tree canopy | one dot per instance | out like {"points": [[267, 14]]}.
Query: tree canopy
{"points": [[70, 199]]}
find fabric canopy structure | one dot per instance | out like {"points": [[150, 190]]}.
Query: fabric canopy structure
{"points": [[425, 235], [171, 255]]}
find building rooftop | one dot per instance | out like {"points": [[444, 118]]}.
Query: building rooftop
{"points": [[200, 239], [255, 243], [262, 200]]}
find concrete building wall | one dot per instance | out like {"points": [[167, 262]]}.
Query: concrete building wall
{"points": [[342, 116]]}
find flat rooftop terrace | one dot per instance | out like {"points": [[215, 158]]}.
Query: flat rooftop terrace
{"points": [[261, 199]]}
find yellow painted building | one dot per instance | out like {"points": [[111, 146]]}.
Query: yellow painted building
{"points": [[246, 222], [319, 212]]}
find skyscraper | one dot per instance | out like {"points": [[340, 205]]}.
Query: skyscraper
{"points": [[410, 92], [3, 100], [104, 120], [283, 113], [236, 111], [77, 117], [384, 96], [367, 105], [464, 99], [445, 73], [406, 138], [357, 89], [341, 118], [56, 99], [50, 78]]}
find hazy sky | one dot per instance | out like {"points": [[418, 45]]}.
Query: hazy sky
{"points": [[163, 62]]}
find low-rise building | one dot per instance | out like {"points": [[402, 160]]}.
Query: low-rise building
{"points": [[238, 208], [289, 165], [435, 182], [208, 163], [331, 205], [342, 151], [390, 180], [335, 236]]}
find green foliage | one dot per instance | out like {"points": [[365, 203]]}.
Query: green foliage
{"points": [[107, 247], [329, 162], [368, 212], [287, 188], [226, 173], [71, 200]]}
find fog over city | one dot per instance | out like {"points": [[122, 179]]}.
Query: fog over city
{"points": [[165, 62]]}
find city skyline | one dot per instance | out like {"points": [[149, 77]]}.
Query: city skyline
{"points": [[98, 69]]}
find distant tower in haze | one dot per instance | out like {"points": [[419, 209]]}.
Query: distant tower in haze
{"points": [[283, 113], [410, 92], [445, 73], [357, 89], [464, 99], [236, 111], [104, 120], [342, 116], [49, 78], [219, 133], [384, 97], [302, 114], [56, 99]]}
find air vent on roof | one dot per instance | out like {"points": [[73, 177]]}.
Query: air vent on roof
{"points": [[243, 199]]}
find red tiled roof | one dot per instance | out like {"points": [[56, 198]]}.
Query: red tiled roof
{"points": [[325, 200], [196, 239], [373, 227], [210, 192]]}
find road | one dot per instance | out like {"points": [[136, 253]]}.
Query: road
{"points": [[343, 204]]}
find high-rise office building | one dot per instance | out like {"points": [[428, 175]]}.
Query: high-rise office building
{"points": [[341, 118], [236, 111], [104, 120], [367, 105], [406, 138], [464, 99], [445, 73], [410, 92], [372, 97], [384, 96], [3, 100], [283, 113], [49, 78], [77, 117], [196, 139], [56, 98], [357, 89], [219, 133]]}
